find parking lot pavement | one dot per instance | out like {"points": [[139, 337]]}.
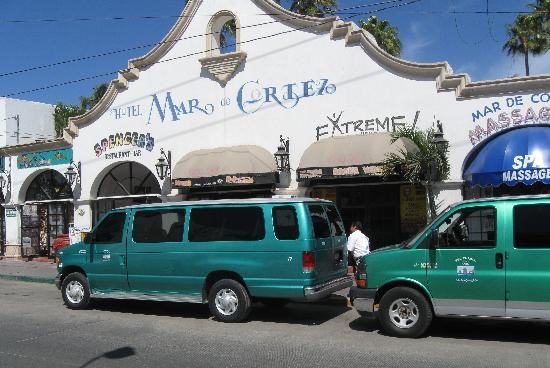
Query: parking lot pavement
{"points": [[41, 270]]}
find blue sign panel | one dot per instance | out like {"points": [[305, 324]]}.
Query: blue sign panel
{"points": [[45, 158], [518, 155]]}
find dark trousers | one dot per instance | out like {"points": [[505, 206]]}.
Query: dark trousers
{"points": [[351, 261]]}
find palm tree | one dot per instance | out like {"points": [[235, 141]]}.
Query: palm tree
{"points": [[541, 10], [526, 36], [385, 35], [313, 8], [427, 165]]}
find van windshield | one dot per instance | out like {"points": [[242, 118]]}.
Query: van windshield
{"points": [[413, 239]]}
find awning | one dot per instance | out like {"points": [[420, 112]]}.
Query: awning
{"points": [[349, 156], [517, 155], [225, 166]]}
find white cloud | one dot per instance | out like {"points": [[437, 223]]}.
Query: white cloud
{"points": [[415, 42], [467, 68], [509, 66]]}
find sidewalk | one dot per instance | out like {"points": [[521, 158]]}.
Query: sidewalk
{"points": [[41, 270]]}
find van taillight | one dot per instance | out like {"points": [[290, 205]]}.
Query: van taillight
{"points": [[308, 261]]}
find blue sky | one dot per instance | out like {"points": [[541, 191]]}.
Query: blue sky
{"points": [[37, 33]]}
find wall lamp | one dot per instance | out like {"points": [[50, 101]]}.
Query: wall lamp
{"points": [[164, 165], [73, 171], [282, 157]]}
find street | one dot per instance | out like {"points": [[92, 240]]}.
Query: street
{"points": [[38, 331]]}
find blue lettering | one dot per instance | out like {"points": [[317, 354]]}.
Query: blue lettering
{"points": [[308, 88], [162, 110], [477, 115]]}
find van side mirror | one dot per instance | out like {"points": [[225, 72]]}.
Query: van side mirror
{"points": [[434, 239], [88, 238]]}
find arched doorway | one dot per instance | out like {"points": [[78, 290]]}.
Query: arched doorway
{"points": [[47, 213], [126, 184]]}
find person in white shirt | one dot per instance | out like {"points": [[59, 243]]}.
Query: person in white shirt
{"points": [[358, 244]]}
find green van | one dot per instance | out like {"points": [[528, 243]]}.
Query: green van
{"points": [[480, 258], [226, 253]]}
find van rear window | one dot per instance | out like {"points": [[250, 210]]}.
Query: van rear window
{"points": [[337, 227], [285, 223], [226, 224], [531, 226], [319, 221]]}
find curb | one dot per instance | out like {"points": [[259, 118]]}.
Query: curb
{"points": [[38, 279]]}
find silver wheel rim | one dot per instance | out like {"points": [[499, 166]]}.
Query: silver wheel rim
{"points": [[226, 302], [403, 313], [74, 292]]}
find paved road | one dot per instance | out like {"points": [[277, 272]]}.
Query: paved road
{"points": [[36, 330]]}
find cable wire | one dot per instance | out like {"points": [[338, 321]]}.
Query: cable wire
{"points": [[208, 50]]}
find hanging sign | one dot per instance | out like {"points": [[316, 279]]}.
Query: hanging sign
{"points": [[45, 158], [413, 210]]}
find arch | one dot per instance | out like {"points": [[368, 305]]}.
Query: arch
{"points": [[126, 178], [45, 185], [223, 34]]}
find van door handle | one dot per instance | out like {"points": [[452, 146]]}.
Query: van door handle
{"points": [[499, 260]]}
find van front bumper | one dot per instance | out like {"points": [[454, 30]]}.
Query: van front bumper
{"points": [[320, 291], [363, 300]]}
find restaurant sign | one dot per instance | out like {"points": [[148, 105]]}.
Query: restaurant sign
{"points": [[225, 180], [338, 172], [45, 158]]}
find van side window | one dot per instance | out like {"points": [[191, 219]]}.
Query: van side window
{"points": [[110, 229], [337, 227], [226, 224], [285, 223], [531, 226], [158, 226], [469, 228], [319, 220]]}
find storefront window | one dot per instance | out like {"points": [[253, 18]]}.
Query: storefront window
{"points": [[127, 184]]}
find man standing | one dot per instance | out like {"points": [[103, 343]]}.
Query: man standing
{"points": [[358, 244]]}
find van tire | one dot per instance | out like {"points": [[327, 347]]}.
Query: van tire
{"points": [[229, 301], [75, 291], [404, 312]]}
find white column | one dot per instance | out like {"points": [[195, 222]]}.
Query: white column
{"points": [[13, 231]]}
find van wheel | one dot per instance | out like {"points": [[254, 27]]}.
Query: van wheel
{"points": [[229, 301], [404, 312], [75, 291]]}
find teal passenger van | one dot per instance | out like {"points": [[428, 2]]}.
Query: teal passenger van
{"points": [[480, 258], [227, 253]]}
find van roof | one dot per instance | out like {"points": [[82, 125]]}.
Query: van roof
{"points": [[504, 199], [231, 201]]}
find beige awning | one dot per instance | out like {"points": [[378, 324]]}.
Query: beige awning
{"points": [[353, 155], [235, 165]]}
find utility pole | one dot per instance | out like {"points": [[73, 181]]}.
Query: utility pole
{"points": [[16, 117]]}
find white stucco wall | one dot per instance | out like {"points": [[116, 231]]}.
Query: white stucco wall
{"points": [[36, 121]]}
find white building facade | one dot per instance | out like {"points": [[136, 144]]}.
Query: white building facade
{"points": [[21, 123], [323, 85]]}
